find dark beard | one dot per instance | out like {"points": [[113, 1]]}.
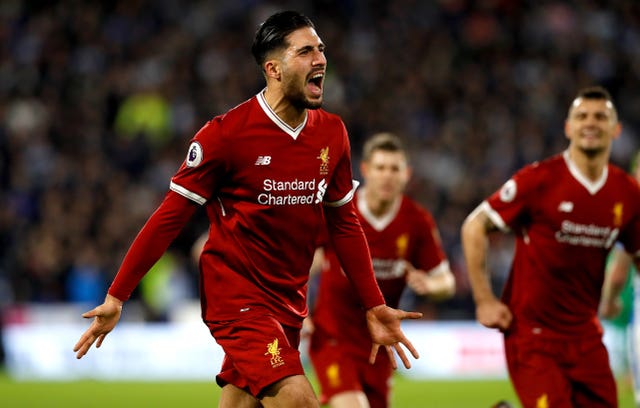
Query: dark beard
{"points": [[309, 105], [591, 153], [299, 101]]}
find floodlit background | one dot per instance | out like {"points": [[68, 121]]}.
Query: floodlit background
{"points": [[98, 101]]}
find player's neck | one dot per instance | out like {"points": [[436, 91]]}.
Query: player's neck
{"points": [[281, 106], [377, 207], [589, 166]]}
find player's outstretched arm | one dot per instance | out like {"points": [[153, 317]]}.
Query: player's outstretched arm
{"points": [[152, 241], [105, 318], [384, 327]]}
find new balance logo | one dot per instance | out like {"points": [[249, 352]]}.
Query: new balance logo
{"points": [[565, 206], [263, 160]]}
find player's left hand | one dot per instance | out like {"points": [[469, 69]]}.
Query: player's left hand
{"points": [[384, 327]]}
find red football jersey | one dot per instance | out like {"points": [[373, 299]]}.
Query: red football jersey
{"points": [[407, 233], [565, 226], [263, 184]]}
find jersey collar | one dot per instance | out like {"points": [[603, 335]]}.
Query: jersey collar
{"points": [[293, 132], [592, 186], [378, 223]]}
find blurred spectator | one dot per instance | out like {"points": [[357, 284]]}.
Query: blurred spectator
{"points": [[86, 281], [165, 285], [99, 99]]}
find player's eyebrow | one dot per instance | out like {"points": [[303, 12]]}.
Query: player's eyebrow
{"points": [[306, 48], [599, 113]]}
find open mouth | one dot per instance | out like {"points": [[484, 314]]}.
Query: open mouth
{"points": [[315, 83]]}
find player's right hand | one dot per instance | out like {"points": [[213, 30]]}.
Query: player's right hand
{"points": [[494, 314], [106, 316]]}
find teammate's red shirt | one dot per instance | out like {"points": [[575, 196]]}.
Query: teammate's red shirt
{"points": [[565, 226], [408, 233]]}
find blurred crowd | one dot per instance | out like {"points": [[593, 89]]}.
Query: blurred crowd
{"points": [[99, 99]]}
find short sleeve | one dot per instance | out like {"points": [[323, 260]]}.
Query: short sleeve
{"points": [[508, 205], [205, 164]]}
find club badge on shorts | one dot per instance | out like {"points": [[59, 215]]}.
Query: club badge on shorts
{"points": [[274, 351]]}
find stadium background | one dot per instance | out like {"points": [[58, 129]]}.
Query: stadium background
{"points": [[99, 99]]}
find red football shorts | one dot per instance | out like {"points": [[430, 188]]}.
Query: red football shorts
{"points": [[560, 373], [338, 370], [259, 351]]}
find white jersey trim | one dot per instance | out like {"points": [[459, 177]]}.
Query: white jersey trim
{"points": [[494, 216], [279, 122], [224, 212], [440, 269], [378, 223], [346, 198], [187, 194], [592, 187]]}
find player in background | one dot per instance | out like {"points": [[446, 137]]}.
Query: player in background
{"points": [[272, 173], [622, 280], [406, 250], [566, 213]]}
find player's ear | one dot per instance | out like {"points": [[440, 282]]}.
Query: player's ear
{"points": [[364, 169], [272, 69], [617, 130]]}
